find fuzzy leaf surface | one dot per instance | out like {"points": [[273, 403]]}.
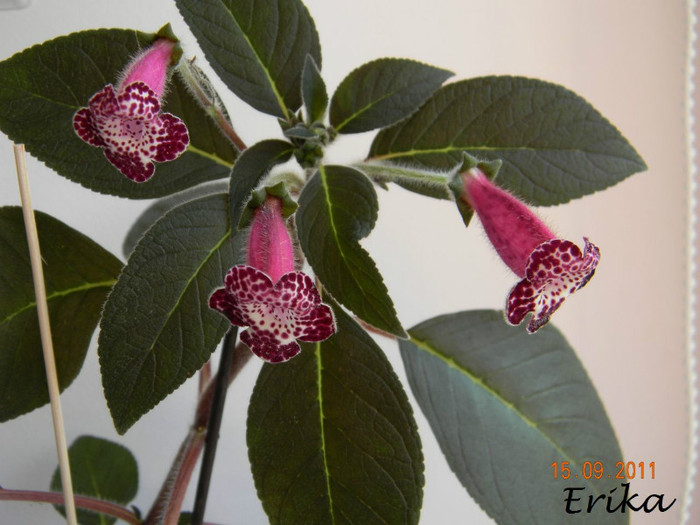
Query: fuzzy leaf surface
{"points": [[337, 208], [382, 92], [554, 145], [505, 405], [101, 469], [257, 47], [331, 436], [160, 207], [78, 274], [157, 329], [43, 87]]}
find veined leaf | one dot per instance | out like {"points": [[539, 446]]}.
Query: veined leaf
{"points": [[157, 328], [78, 274], [554, 145], [258, 47], [337, 208], [159, 208], [101, 469], [331, 436], [382, 92], [504, 406], [43, 87]]}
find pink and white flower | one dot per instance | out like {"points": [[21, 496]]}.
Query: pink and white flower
{"points": [[279, 305], [126, 121], [551, 269]]}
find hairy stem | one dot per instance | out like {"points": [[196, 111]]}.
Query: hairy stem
{"points": [[83, 502], [166, 510], [167, 506], [200, 87]]}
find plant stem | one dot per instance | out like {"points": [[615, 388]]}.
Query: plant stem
{"points": [[166, 508], [214, 426], [197, 83], [84, 502]]}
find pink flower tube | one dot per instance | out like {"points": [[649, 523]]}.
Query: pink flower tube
{"points": [[279, 305], [551, 269], [127, 122]]}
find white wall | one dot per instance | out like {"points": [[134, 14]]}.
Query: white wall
{"points": [[628, 326]]}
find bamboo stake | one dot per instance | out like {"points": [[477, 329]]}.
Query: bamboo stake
{"points": [[45, 329]]}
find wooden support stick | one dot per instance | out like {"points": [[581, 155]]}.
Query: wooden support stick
{"points": [[42, 308]]}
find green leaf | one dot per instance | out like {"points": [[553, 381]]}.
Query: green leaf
{"points": [[505, 405], [157, 329], [383, 92], [258, 48], [337, 208], [78, 274], [101, 469], [331, 436], [159, 208], [43, 87], [313, 91], [554, 145], [251, 168]]}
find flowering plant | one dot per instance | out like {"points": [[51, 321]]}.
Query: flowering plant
{"points": [[275, 250]]}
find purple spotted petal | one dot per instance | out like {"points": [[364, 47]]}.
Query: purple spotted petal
{"points": [[131, 129], [268, 348], [277, 314], [138, 102], [555, 270]]}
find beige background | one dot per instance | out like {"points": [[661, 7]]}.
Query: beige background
{"points": [[627, 57]]}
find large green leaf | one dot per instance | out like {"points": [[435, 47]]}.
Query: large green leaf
{"points": [[157, 328], [78, 275], [160, 207], [554, 145], [505, 405], [331, 436], [43, 87], [101, 469], [257, 47], [337, 208], [382, 92]]}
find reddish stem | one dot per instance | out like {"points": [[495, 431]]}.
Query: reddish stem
{"points": [[169, 501], [84, 502], [166, 509]]}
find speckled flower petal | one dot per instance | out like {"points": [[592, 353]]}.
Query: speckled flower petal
{"points": [[88, 121], [131, 129], [555, 270], [277, 315], [170, 138], [268, 348], [138, 102]]}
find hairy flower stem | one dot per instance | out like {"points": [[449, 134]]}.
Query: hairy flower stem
{"points": [[83, 502], [216, 414], [195, 82], [166, 508], [169, 502]]}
